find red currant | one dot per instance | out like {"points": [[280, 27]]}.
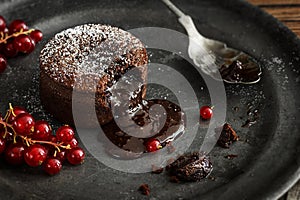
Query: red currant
{"points": [[23, 124], [23, 43], [17, 25], [9, 50], [76, 156], [53, 139], [73, 143], [206, 112], [42, 131], [14, 154], [35, 155], [17, 111], [65, 134], [153, 145], [36, 35], [32, 46], [52, 166], [61, 155], [2, 145], [3, 63], [2, 23]]}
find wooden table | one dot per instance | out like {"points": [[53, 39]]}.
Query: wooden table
{"points": [[288, 12]]}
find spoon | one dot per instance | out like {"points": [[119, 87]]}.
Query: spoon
{"points": [[214, 58]]}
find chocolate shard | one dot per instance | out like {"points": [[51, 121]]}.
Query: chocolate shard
{"points": [[227, 137], [145, 189], [190, 167]]}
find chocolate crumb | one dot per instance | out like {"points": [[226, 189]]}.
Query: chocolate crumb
{"points": [[190, 167], [157, 170], [227, 137], [174, 179], [144, 189], [231, 156]]}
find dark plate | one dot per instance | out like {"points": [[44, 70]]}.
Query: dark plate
{"points": [[268, 153]]}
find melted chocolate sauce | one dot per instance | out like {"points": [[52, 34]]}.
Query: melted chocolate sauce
{"points": [[172, 128], [242, 70]]}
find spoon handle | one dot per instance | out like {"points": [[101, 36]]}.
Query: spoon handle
{"points": [[176, 10], [185, 20]]}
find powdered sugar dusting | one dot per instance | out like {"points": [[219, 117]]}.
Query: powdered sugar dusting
{"points": [[83, 53]]}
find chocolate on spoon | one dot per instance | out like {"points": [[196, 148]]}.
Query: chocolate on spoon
{"points": [[214, 57]]}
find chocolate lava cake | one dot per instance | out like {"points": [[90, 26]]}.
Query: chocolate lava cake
{"points": [[89, 59]]}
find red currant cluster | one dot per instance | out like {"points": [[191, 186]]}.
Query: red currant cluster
{"points": [[24, 140], [17, 37]]}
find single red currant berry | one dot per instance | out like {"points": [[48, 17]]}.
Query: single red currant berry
{"points": [[61, 155], [2, 24], [14, 154], [17, 110], [9, 50], [53, 139], [23, 43], [35, 155], [24, 124], [17, 25], [32, 46], [76, 156], [206, 112], [73, 143], [36, 35], [153, 145], [3, 63], [52, 166], [2, 145], [42, 131], [65, 134]]}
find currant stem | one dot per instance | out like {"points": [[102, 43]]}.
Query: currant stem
{"points": [[11, 109], [5, 124], [5, 37], [56, 145], [6, 116], [28, 141], [55, 153]]}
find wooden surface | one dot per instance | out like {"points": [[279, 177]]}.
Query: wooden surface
{"points": [[288, 12]]}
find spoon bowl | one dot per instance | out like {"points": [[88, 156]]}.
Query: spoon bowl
{"points": [[214, 58]]}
